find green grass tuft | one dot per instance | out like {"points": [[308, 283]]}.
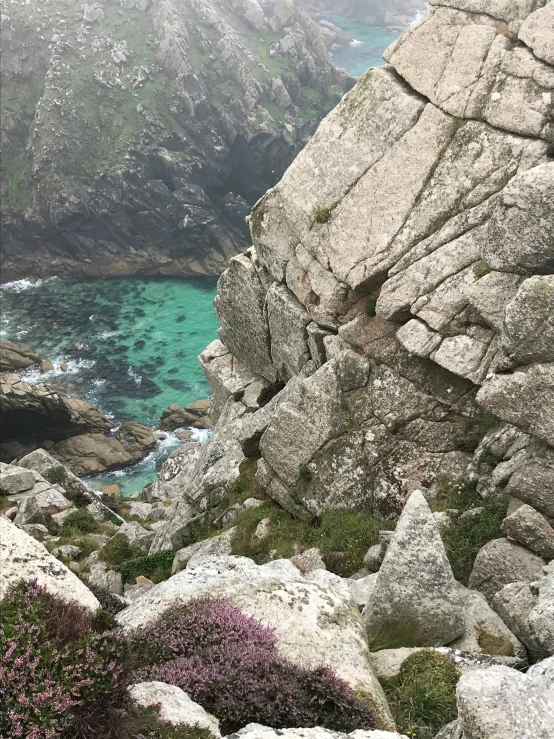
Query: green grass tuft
{"points": [[464, 539], [118, 550], [323, 215], [480, 269], [422, 697]]}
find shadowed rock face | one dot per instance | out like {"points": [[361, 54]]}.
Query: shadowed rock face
{"points": [[135, 139]]}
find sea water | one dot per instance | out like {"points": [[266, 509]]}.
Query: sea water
{"points": [[367, 48], [131, 346]]}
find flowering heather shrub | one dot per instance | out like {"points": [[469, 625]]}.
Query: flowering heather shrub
{"points": [[228, 662], [56, 675]]}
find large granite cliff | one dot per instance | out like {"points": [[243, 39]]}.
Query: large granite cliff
{"points": [[393, 326], [136, 134]]}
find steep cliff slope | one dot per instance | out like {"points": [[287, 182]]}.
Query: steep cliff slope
{"points": [[136, 134], [398, 305]]}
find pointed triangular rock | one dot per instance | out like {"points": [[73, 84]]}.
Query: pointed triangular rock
{"points": [[415, 599]]}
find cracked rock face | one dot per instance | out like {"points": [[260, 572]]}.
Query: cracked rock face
{"points": [[402, 271], [136, 138]]}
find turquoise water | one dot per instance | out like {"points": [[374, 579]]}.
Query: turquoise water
{"points": [[367, 49], [131, 345]]}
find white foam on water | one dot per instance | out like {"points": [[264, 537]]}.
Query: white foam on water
{"points": [[33, 375], [357, 43], [134, 374], [108, 334], [201, 434], [19, 286]]}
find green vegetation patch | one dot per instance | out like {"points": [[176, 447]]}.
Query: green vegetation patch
{"points": [[465, 538], [118, 550], [371, 307], [480, 269], [157, 566], [422, 697], [81, 521]]}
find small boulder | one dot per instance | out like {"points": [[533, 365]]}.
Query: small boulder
{"points": [[29, 512], [64, 367], [501, 562], [67, 551], [15, 479], [46, 366], [136, 534], [175, 707], [308, 561], [531, 529], [415, 592], [502, 703], [111, 489]]}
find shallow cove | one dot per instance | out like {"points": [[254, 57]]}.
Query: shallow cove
{"points": [[131, 345], [366, 50]]}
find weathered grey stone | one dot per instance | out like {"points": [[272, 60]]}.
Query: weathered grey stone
{"points": [[490, 294], [501, 703], [220, 545], [67, 551], [257, 731], [362, 588], [501, 562], [418, 338], [175, 706], [524, 398], [515, 603], [415, 589], [485, 631], [15, 479], [304, 616], [308, 561], [240, 307], [533, 482], [529, 528], [388, 662], [136, 534], [463, 64], [537, 31], [23, 558], [29, 512], [226, 375], [528, 332], [521, 232], [288, 321], [101, 577]]}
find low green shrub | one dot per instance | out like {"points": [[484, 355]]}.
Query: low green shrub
{"points": [[80, 520], [118, 550], [157, 566], [86, 544], [422, 697], [304, 473]]}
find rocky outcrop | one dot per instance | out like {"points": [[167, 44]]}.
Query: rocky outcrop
{"points": [[72, 430], [195, 414], [401, 276], [30, 412], [16, 356], [134, 139], [257, 731]]}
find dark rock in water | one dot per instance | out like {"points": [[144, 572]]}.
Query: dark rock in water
{"points": [[178, 384], [195, 148], [139, 344], [180, 319], [195, 414]]}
